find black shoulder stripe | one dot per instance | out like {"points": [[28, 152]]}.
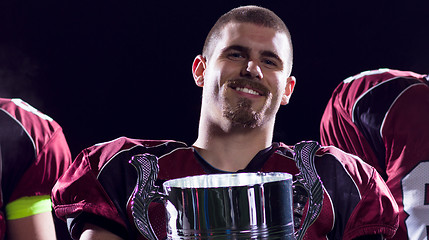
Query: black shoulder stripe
{"points": [[342, 191], [17, 153], [372, 107]]}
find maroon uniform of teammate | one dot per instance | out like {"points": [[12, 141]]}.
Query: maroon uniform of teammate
{"points": [[383, 117], [33, 154]]}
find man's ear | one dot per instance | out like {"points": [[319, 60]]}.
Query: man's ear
{"points": [[198, 69], [290, 85]]}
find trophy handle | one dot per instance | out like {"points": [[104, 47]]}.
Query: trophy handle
{"points": [[145, 192], [310, 181]]}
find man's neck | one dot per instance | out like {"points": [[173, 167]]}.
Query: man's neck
{"points": [[233, 150]]}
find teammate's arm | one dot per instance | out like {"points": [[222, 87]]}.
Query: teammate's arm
{"points": [[36, 227], [93, 232], [30, 218]]}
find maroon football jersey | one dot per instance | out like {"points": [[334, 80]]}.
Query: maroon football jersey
{"points": [[33, 151], [382, 116], [98, 187]]}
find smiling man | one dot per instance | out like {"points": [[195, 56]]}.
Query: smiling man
{"points": [[244, 72], [245, 77]]}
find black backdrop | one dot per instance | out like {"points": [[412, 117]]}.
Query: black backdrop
{"points": [[105, 69]]}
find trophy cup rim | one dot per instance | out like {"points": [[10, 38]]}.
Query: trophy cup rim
{"points": [[222, 180]]}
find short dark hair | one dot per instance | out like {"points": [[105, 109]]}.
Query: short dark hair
{"points": [[245, 14]]}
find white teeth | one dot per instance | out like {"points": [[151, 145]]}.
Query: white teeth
{"points": [[246, 90]]}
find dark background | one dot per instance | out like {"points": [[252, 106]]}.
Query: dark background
{"points": [[105, 69]]}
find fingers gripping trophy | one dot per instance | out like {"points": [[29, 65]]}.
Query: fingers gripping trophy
{"points": [[231, 206]]}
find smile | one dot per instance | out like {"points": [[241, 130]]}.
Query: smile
{"points": [[248, 87], [247, 90]]}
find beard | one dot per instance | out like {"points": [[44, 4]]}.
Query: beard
{"points": [[241, 112], [242, 115]]}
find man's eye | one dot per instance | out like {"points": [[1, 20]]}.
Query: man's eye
{"points": [[235, 55], [269, 62]]}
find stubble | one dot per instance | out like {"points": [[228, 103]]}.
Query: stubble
{"points": [[242, 115]]}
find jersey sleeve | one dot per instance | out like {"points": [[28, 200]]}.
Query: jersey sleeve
{"points": [[376, 212], [79, 192], [97, 188], [51, 162], [35, 151]]}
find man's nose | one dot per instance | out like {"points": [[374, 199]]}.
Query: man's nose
{"points": [[252, 69]]}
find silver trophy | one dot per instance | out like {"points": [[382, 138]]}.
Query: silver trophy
{"points": [[231, 206]]}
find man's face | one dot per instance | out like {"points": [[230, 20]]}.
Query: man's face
{"points": [[247, 74]]}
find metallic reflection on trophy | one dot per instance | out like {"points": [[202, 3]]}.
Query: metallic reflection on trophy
{"points": [[229, 206]]}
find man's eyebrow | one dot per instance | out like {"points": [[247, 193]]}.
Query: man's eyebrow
{"points": [[237, 48]]}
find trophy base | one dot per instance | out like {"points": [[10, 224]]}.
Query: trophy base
{"points": [[276, 232]]}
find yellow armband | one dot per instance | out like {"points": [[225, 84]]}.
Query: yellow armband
{"points": [[28, 206]]}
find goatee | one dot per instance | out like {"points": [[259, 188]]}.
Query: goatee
{"points": [[242, 115]]}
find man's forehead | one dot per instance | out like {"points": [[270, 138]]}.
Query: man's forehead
{"points": [[245, 26], [265, 38]]}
